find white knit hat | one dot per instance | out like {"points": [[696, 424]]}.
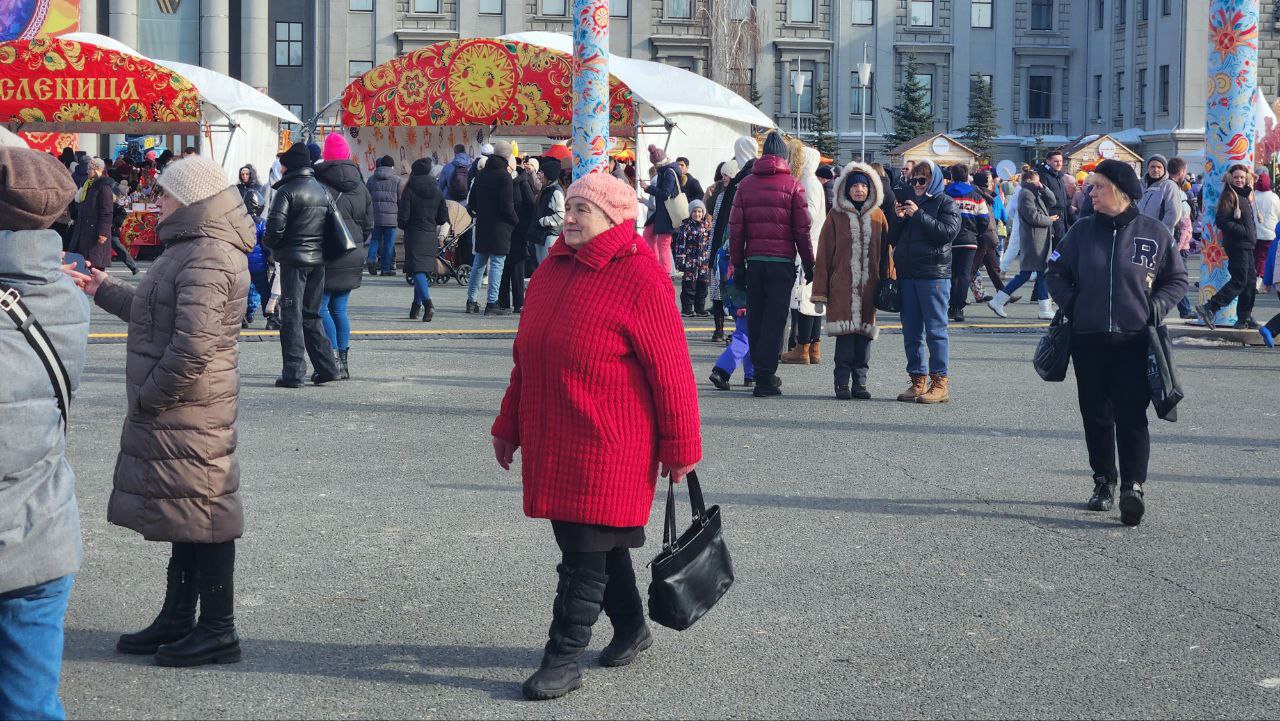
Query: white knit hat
{"points": [[191, 180]]}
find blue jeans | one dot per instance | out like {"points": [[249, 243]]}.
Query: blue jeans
{"points": [[421, 288], [1037, 290], [31, 650], [333, 314], [259, 291], [478, 264], [924, 322], [382, 246]]}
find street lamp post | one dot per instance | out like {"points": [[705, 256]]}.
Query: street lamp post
{"points": [[864, 80], [798, 83]]}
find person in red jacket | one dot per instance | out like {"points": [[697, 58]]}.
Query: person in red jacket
{"points": [[768, 226], [597, 402]]}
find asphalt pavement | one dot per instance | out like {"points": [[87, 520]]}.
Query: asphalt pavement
{"points": [[893, 560]]}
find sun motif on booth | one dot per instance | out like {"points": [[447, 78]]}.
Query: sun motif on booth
{"points": [[1214, 255], [481, 79]]}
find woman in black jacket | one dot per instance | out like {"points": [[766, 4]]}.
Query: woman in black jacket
{"points": [[927, 221], [1108, 275], [1239, 225], [493, 204], [422, 210], [343, 274], [511, 290]]}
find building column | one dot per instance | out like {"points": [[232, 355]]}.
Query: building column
{"points": [[124, 22], [1230, 125], [215, 35], [88, 16], [254, 44], [590, 86]]}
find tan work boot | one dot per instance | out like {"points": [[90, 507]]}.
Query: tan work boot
{"points": [[797, 356], [815, 354], [915, 391], [937, 392]]}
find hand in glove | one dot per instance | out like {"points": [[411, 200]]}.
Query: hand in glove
{"points": [[820, 308], [808, 273]]}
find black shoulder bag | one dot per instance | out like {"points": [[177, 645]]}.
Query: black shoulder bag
{"points": [[11, 304], [889, 294], [694, 570], [337, 236], [1053, 353], [1162, 376]]}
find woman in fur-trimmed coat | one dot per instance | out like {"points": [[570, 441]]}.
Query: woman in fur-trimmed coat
{"points": [[846, 274]]}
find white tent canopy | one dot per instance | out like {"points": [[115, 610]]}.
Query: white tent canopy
{"points": [[243, 123]]}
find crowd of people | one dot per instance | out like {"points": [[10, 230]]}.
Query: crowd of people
{"points": [[777, 240]]}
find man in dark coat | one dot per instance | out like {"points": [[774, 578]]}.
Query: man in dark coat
{"points": [[1051, 178], [511, 292], [689, 185], [384, 187], [295, 237], [422, 211], [91, 235], [493, 203]]}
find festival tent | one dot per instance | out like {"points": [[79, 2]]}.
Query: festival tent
{"points": [[519, 86], [86, 83]]}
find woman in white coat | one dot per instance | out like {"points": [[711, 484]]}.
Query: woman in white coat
{"points": [[805, 318]]}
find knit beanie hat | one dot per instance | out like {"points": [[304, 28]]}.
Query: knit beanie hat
{"points": [[775, 145], [35, 189], [1122, 176], [296, 157], [313, 150], [730, 168], [656, 155], [486, 149], [551, 168], [421, 166], [745, 150], [1158, 158], [614, 197], [97, 164], [825, 172], [336, 147], [502, 149], [1263, 183], [856, 177], [191, 180], [151, 155], [695, 205], [534, 163], [386, 161]]}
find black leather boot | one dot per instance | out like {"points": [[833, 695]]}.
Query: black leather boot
{"points": [[1132, 505], [342, 363], [720, 379], [414, 310], [214, 639], [717, 335], [1104, 494], [625, 610], [579, 598], [428, 312], [176, 618]]}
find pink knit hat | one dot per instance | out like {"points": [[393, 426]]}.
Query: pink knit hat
{"points": [[336, 147], [614, 197], [656, 155]]}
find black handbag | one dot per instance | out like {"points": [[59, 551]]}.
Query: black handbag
{"points": [[337, 236], [694, 570], [889, 294], [1162, 376], [1053, 353]]}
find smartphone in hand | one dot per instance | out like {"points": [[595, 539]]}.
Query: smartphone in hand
{"points": [[81, 265]]}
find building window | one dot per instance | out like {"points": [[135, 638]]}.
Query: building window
{"points": [[555, 8], [356, 68], [296, 110], [361, 6], [806, 99], [1099, 20], [981, 10], [1143, 6], [1164, 88], [922, 13], [1118, 110], [619, 8], [1122, 11], [289, 45], [864, 98], [490, 7], [1140, 102], [1097, 98], [1166, 7], [1040, 97], [926, 79], [426, 6], [740, 9], [801, 11], [1041, 14], [864, 12], [680, 9]]}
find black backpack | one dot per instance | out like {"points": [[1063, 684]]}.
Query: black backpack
{"points": [[458, 185]]}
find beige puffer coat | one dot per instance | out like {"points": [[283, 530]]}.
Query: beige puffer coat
{"points": [[177, 478]]}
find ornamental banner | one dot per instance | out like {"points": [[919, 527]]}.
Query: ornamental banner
{"points": [[476, 81], [49, 84], [27, 19]]}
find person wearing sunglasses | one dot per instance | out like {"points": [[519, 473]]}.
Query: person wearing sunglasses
{"points": [[928, 222]]}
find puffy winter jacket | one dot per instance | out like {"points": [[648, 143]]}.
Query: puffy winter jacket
{"points": [[1267, 203], [349, 193], [665, 185], [975, 214], [295, 225], [1161, 200], [922, 243], [1100, 273], [770, 215], [423, 210], [1242, 231], [39, 520], [492, 201], [461, 163], [384, 187]]}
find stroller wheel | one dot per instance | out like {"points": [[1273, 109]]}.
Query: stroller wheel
{"points": [[464, 274]]}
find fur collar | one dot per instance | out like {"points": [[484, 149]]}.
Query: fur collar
{"points": [[875, 195]]}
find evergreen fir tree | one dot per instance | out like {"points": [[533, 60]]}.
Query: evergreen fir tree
{"points": [[755, 98], [823, 139], [981, 131], [913, 115]]}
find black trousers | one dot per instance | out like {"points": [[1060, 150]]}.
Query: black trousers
{"points": [[808, 328], [511, 289], [301, 289], [768, 304], [693, 295], [988, 257], [208, 559], [1241, 288], [961, 276], [1111, 381], [853, 359], [1273, 325]]}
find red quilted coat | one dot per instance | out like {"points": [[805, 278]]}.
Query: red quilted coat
{"points": [[770, 215], [602, 388]]}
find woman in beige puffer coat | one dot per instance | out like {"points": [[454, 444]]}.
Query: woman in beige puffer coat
{"points": [[177, 478]]}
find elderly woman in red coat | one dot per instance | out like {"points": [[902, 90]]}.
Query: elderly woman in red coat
{"points": [[598, 402]]}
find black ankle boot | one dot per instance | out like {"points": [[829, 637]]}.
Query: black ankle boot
{"points": [[428, 312], [579, 598], [177, 616], [843, 392], [342, 363], [720, 379], [1132, 504], [625, 610], [1104, 494], [214, 639], [718, 335], [414, 310]]}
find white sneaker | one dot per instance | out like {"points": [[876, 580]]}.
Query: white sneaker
{"points": [[997, 304], [1046, 310]]}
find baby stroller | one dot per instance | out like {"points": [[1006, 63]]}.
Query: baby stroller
{"points": [[454, 260]]}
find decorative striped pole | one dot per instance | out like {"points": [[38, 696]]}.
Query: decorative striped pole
{"points": [[1230, 125], [590, 86]]}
